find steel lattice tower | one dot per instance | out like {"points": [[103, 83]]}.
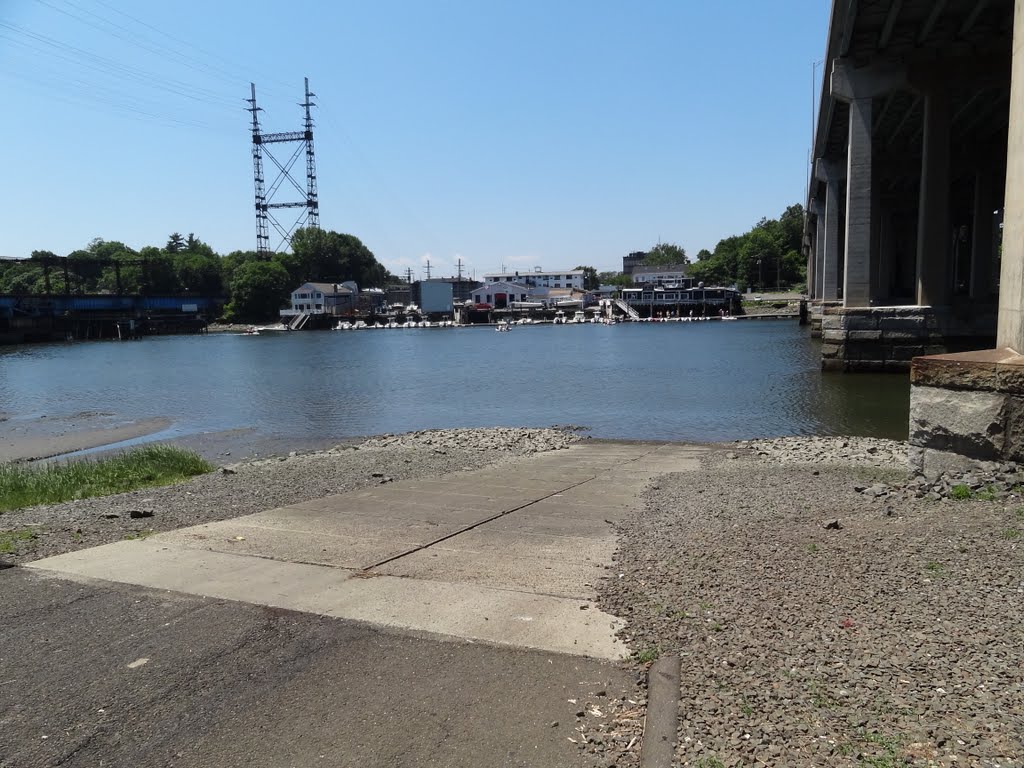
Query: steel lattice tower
{"points": [[309, 216]]}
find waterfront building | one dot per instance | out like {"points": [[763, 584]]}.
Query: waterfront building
{"points": [[675, 275], [698, 298], [498, 294], [322, 299], [565, 278]]}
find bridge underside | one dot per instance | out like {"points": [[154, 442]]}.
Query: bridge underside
{"points": [[906, 197], [915, 230]]}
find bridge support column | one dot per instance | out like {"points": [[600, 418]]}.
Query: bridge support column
{"points": [[981, 237], [859, 198], [828, 261], [817, 250], [933, 282]]}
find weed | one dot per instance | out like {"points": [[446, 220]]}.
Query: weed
{"points": [[11, 541], [933, 567], [889, 744], [716, 627], [710, 762], [745, 707], [1011, 533], [812, 548], [647, 655], [1020, 512], [705, 606], [131, 536], [960, 492], [25, 486], [988, 493]]}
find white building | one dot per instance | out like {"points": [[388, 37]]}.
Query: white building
{"points": [[500, 294], [322, 299], [674, 274], [572, 278]]}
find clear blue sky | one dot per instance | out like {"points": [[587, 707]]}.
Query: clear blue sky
{"points": [[529, 133]]}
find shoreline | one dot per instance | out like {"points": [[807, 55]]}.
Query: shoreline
{"points": [[23, 440]]}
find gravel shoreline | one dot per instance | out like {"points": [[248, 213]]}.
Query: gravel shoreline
{"points": [[255, 486], [820, 625]]}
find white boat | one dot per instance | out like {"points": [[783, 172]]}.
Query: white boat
{"points": [[359, 325], [578, 317], [559, 318], [526, 305], [343, 325]]}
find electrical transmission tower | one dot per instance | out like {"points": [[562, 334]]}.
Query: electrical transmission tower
{"points": [[309, 216]]}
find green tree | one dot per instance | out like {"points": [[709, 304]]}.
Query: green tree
{"points": [[615, 278], [590, 279], [334, 257], [258, 290], [666, 255], [175, 243], [703, 254]]}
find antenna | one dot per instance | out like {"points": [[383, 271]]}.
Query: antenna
{"points": [[459, 265]]}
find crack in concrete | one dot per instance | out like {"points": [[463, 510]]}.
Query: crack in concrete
{"points": [[494, 517]]}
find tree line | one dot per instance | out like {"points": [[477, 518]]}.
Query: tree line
{"points": [[768, 254], [254, 286]]}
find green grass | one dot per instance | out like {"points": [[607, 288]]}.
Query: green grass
{"points": [[647, 655], [1011, 533], [960, 492], [988, 493], [24, 486], [10, 540], [710, 762]]}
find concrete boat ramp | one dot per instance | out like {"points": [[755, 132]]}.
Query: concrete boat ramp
{"points": [[509, 555]]}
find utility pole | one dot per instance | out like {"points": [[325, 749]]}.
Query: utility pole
{"points": [[426, 268], [408, 275]]}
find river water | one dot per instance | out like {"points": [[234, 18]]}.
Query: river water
{"points": [[706, 381]]}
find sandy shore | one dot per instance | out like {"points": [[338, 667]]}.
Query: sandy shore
{"points": [[42, 437]]}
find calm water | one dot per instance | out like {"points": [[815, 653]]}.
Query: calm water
{"points": [[674, 381]]}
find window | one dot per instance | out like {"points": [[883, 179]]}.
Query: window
{"points": [[488, 298]]}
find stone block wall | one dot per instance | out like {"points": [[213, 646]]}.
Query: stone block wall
{"points": [[965, 408], [888, 338]]}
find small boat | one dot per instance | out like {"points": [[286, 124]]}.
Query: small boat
{"points": [[359, 325], [503, 326], [343, 325], [251, 331], [559, 318]]}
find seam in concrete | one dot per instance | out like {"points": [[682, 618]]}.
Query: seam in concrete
{"points": [[471, 526], [661, 726], [492, 518]]}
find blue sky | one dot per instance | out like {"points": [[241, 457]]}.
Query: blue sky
{"points": [[520, 134]]}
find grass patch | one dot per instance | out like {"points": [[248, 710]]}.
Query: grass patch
{"points": [[10, 541], [152, 465], [988, 493], [710, 762], [960, 492], [1011, 533], [647, 655]]}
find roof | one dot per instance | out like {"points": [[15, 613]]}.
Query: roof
{"points": [[665, 268], [500, 285], [326, 288]]}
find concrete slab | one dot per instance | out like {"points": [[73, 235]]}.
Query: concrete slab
{"points": [[552, 576], [458, 610], [517, 579]]}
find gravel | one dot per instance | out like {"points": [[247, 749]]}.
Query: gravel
{"points": [[255, 486], [819, 625]]}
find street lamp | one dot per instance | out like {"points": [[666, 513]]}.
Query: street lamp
{"points": [[760, 276]]}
